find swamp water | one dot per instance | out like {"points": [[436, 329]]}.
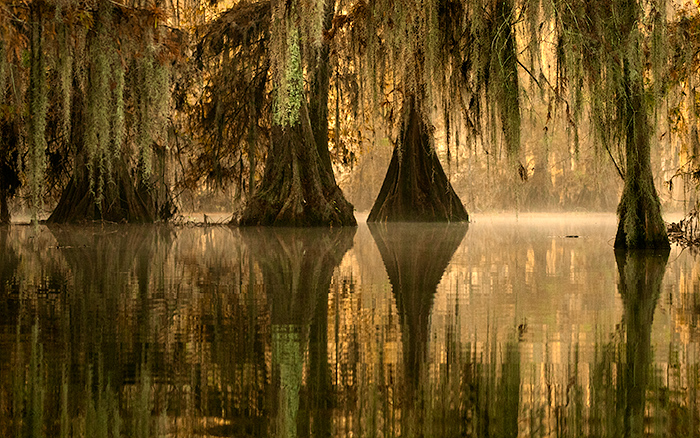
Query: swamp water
{"points": [[508, 328]]}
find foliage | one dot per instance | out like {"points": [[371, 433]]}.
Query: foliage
{"points": [[85, 84], [230, 115], [69, 78]]}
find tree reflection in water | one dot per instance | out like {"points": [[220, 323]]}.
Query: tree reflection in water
{"points": [[415, 257], [297, 266], [622, 373], [150, 331]]}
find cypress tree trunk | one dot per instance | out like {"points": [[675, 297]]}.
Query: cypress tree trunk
{"points": [[4, 208], [77, 203], [120, 203], [297, 189], [37, 97], [9, 154], [639, 211], [416, 188], [9, 174], [320, 85]]}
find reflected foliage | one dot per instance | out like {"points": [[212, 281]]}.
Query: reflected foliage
{"points": [[410, 330], [297, 266]]}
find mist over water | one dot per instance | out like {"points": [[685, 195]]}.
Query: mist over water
{"points": [[527, 326]]}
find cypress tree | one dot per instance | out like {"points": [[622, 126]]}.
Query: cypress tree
{"points": [[297, 189]]}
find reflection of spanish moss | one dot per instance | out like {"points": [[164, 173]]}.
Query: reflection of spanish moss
{"points": [[297, 266], [415, 257], [53, 397], [288, 356], [108, 268], [476, 393]]}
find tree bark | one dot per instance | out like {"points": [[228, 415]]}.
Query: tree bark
{"points": [[9, 173], [297, 189], [320, 86], [4, 208], [77, 203], [640, 223], [416, 188]]}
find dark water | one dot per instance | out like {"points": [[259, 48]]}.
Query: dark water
{"points": [[527, 328]]}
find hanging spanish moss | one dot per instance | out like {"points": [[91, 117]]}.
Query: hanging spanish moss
{"points": [[37, 109], [12, 104], [232, 118], [297, 189], [419, 53], [144, 139], [505, 68], [609, 49], [154, 182], [118, 122], [64, 67], [97, 132], [113, 178], [4, 67]]}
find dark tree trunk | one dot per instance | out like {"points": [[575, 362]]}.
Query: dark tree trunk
{"points": [[416, 188], [4, 208], [539, 187], [641, 225], [121, 202], [320, 86], [9, 173], [415, 257], [641, 274], [297, 189], [505, 66]]}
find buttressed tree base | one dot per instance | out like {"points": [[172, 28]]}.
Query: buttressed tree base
{"points": [[296, 189], [416, 188]]}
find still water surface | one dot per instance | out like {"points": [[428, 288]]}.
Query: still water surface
{"points": [[528, 327]]}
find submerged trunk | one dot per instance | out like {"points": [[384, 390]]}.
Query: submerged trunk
{"points": [[297, 189], [641, 225], [416, 188]]}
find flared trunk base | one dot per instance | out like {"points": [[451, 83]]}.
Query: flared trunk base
{"points": [[121, 202], [297, 190], [416, 188]]}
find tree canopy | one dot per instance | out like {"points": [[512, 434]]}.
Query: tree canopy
{"points": [[111, 110]]}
